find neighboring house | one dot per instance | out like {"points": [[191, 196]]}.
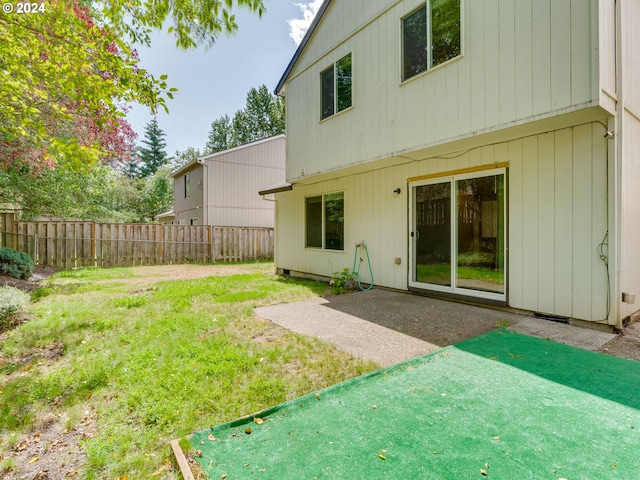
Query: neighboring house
{"points": [[221, 189], [485, 150]]}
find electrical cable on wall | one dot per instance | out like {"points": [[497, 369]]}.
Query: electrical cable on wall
{"points": [[605, 259]]}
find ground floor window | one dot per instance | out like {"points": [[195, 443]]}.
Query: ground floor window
{"points": [[458, 234], [325, 221]]}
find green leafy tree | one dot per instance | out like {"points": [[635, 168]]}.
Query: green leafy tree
{"points": [[66, 72], [220, 136], [262, 117], [263, 114], [182, 157], [63, 83], [96, 193], [152, 155], [156, 195], [192, 22], [241, 129]]}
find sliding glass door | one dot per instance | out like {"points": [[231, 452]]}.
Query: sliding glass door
{"points": [[458, 234]]}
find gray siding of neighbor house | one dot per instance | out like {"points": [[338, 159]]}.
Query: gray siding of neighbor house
{"points": [[235, 178], [189, 207], [225, 186]]}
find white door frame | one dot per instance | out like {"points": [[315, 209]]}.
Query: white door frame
{"points": [[413, 236]]}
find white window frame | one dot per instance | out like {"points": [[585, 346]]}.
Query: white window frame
{"points": [[324, 222], [454, 289], [429, 66], [334, 67]]}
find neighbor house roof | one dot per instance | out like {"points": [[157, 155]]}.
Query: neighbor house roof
{"points": [[280, 88], [202, 159], [169, 214]]}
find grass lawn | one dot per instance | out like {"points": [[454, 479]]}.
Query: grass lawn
{"points": [[133, 360]]}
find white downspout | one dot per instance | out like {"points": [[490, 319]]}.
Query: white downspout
{"points": [[205, 192], [615, 178]]}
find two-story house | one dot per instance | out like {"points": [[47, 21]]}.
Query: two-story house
{"points": [[220, 189], [486, 150]]}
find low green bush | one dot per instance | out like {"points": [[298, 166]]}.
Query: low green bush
{"points": [[15, 264], [11, 301]]}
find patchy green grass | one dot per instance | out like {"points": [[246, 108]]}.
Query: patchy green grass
{"points": [[157, 360]]}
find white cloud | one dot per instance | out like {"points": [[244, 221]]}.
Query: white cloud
{"points": [[299, 26]]}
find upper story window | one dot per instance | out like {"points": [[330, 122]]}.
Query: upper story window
{"points": [[187, 188], [430, 36], [336, 85]]}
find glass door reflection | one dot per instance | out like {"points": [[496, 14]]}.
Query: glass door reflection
{"points": [[480, 234], [432, 234]]}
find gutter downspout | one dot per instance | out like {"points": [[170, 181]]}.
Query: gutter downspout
{"points": [[205, 192], [615, 174]]}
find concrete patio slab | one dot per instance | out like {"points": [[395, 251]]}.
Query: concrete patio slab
{"points": [[388, 327]]}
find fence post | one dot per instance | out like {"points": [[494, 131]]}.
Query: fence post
{"points": [[93, 244], [11, 239], [35, 249]]}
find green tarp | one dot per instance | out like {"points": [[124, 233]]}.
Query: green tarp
{"points": [[502, 405]]}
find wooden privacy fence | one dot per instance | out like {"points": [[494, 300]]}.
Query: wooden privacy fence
{"points": [[85, 244]]}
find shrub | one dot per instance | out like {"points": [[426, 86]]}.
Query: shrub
{"points": [[11, 301], [15, 264], [343, 280]]}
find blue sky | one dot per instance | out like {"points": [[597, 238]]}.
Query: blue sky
{"points": [[215, 82]]}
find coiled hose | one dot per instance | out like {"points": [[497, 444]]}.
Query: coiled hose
{"points": [[356, 273]]}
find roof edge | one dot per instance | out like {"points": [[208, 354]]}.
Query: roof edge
{"points": [[200, 160], [277, 188], [240, 147], [279, 88]]}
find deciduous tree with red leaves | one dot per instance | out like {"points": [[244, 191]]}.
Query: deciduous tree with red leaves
{"points": [[68, 69]]}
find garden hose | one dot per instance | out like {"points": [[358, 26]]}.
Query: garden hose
{"points": [[356, 273]]}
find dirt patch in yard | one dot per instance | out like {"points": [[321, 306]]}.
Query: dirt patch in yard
{"points": [[149, 274], [51, 452], [626, 345], [29, 285], [186, 272]]}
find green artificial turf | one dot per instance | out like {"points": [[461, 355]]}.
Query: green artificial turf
{"points": [[502, 405]]}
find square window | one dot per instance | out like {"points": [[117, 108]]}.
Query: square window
{"points": [[325, 221], [430, 36], [337, 88]]}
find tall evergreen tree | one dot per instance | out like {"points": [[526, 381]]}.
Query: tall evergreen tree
{"points": [[153, 154]]}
